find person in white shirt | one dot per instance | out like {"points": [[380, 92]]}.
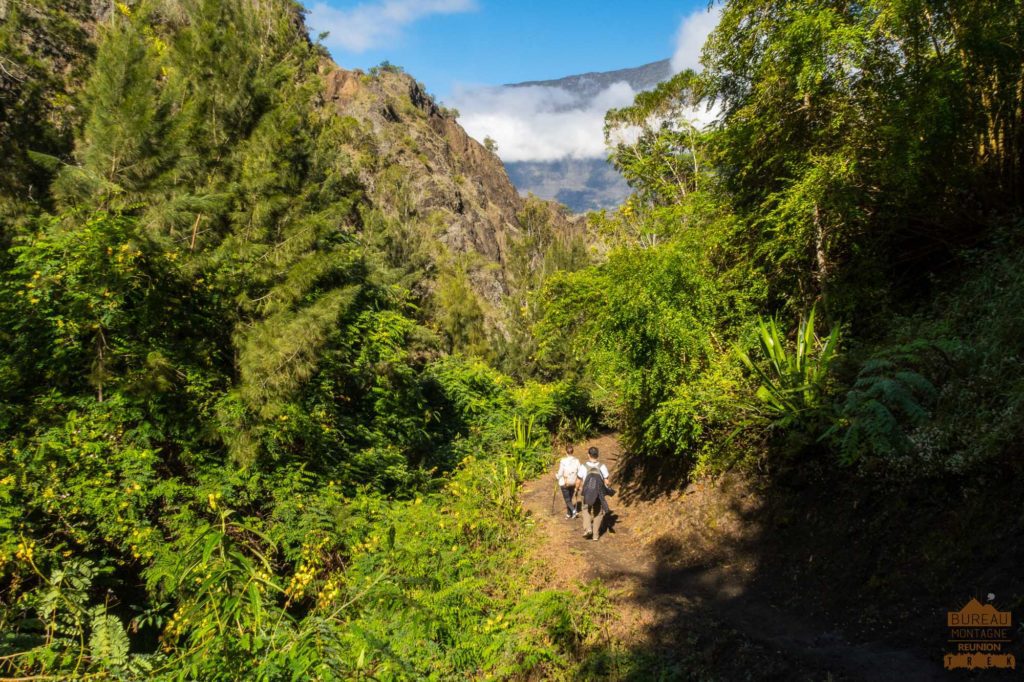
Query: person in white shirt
{"points": [[594, 505], [566, 476]]}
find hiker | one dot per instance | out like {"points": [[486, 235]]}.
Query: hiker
{"points": [[591, 481], [566, 476]]}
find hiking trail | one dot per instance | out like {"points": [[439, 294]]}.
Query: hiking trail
{"points": [[702, 606]]}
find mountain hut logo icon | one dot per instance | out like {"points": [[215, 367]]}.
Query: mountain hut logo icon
{"points": [[976, 614]]}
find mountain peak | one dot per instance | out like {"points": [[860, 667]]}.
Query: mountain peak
{"points": [[589, 84]]}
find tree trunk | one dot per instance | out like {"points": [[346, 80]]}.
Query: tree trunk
{"points": [[821, 257]]}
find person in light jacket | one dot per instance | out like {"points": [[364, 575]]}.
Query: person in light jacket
{"points": [[566, 477]]}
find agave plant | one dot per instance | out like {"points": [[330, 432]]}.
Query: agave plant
{"points": [[528, 446], [792, 378], [575, 429], [524, 432]]}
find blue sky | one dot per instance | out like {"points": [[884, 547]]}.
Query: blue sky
{"points": [[451, 43]]}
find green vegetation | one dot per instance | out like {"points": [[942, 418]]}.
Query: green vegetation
{"points": [[255, 425], [793, 382], [864, 154], [238, 439]]}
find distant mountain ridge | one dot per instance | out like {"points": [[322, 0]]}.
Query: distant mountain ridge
{"points": [[583, 184], [590, 84]]}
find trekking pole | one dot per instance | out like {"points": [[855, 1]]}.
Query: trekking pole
{"points": [[554, 495]]}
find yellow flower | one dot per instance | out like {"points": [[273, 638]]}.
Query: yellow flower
{"points": [[25, 550]]}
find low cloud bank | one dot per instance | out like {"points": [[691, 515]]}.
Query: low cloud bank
{"points": [[543, 123], [539, 123]]}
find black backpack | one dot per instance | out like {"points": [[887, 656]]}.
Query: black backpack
{"points": [[592, 485]]}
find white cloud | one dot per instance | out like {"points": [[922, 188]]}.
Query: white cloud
{"points": [[376, 23], [539, 123], [542, 123], [690, 37]]}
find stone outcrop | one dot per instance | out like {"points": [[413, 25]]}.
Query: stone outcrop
{"points": [[448, 176]]}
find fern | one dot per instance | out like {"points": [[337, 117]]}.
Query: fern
{"points": [[884, 401], [108, 642]]}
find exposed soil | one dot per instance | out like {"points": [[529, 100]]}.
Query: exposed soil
{"points": [[690, 587]]}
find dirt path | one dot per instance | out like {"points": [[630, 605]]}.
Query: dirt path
{"points": [[700, 611]]}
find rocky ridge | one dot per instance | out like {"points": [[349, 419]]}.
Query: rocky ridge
{"points": [[424, 164]]}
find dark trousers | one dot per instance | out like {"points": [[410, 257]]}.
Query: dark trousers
{"points": [[567, 493]]}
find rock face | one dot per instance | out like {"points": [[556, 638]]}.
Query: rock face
{"points": [[425, 165]]}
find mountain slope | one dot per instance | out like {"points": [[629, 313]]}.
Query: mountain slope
{"points": [[425, 165], [444, 212], [580, 184], [237, 298]]}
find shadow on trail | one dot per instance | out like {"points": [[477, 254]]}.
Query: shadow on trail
{"points": [[608, 525], [738, 631], [753, 604], [811, 574]]}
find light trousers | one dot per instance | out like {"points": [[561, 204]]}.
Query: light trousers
{"points": [[593, 516]]}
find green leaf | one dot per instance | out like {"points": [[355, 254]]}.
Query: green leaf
{"points": [[108, 642]]}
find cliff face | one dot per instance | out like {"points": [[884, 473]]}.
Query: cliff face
{"points": [[424, 164]]}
